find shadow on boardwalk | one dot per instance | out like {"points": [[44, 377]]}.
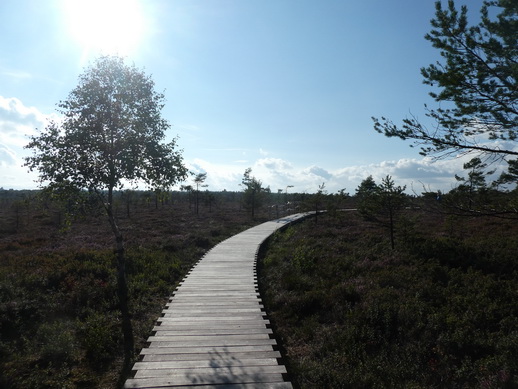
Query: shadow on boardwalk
{"points": [[227, 369]]}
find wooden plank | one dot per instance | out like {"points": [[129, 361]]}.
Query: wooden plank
{"points": [[212, 342], [213, 331], [213, 295], [220, 311], [225, 318], [228, 300], [216, 360], [203, 287], [228, 311], [206, 349], [241, 319], [229, 303], [256, 385], [197, 303], [166, 336], [166, 321], [208, 300], [213, 311], [210, 371], [217, 315], [212, 303], [215, 278], [241, 263], [203, 284], [203, 380], [222, 332], [207, 356], [232, 272]]}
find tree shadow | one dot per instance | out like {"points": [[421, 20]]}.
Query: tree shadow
{"points": [[227, 369]]}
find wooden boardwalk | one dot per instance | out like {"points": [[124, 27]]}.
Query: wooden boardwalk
{"points": [[213, 333]]}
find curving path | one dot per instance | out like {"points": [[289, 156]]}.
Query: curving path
{"points": [[213, 333]]}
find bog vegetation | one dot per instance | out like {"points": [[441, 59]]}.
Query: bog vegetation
{"points": [[438, 311], [59, 317]]}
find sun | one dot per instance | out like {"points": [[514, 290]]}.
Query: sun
{"points": [[105, 26]]}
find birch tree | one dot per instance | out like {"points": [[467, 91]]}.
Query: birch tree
{"points": [[111, 135]]}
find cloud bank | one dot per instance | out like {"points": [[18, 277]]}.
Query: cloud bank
{"points": [[277, 174], [17, 121]]}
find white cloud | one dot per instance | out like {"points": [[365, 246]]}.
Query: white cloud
{"points": [[318, 173], [20, 75], [17, 121], [13, 108], [219, 177], [410, 172], [13, 175], [273, 164], [7, 156], [188, 127]]}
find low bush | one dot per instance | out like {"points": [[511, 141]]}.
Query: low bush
{"points": [[59, 316], [439, 312]]}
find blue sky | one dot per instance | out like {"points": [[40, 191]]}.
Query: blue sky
{"points": [[287, 88]]}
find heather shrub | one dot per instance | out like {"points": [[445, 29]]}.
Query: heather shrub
{"points": [[440, 311], [59, 320], [55, 341], [100, 336]]}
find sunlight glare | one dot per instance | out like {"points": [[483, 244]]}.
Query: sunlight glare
{"points": [[105, 26]]}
